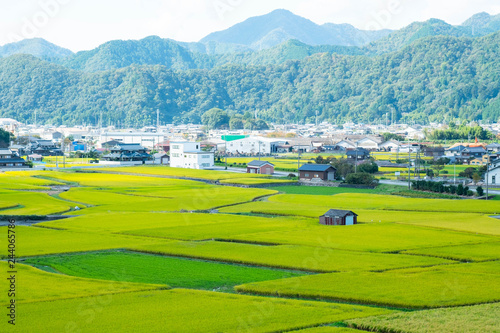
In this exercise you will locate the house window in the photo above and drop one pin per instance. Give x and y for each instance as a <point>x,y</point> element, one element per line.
<point>306,175</point>
<point>494,179</point>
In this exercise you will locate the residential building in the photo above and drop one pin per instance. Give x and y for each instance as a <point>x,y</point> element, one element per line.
<point>369,144</point>
<point>44,148</point>
<point>358,154</point>
<point>188,155</point>
<point>317,172</point>
<point>8,159</point>
<point>390,145</point>
<point>494,173</point>
<point>260,167</point>
<point>124,152</point>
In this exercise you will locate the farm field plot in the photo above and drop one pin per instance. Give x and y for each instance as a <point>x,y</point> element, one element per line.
<point>384,202</point>
<point>468,319</point>
<point>468,222</point>
<point>278,163</point>
<point>256,181</point>
<point>200,197</point>
<point>328,329</point>
<point>181,173</point>
<point>373,237</point>
<point>184,311</point>
<point>119,222</point>
<point>14,180</point>
<point>32,203</point>
<point>176,225</point>
<point>277,208</point>
<point>96,179</point>
<point>318,190</point>
<point>473,252</point>
<point>292,257</point>
<point>448,285</point>
<point>34,285</point>
<point>234,225</point>
<point>144,268</point>
<point>33,241</point>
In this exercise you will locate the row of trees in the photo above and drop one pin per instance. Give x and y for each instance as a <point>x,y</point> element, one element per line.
<point>460,133</point>
<point>216,118</point>
<point>440,187</point>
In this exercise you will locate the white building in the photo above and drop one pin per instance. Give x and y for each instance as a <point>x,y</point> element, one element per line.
<point>188,155</point>
<point>148,140</point>
<point>494,173</point>
<point>252,146</point>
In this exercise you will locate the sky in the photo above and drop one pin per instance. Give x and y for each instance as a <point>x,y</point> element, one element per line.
<point>85,24</point>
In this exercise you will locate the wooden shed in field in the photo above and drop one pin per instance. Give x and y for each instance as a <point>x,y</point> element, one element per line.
<point>339,217</point>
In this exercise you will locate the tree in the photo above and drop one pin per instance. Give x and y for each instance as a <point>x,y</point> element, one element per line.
<point>215,119</point>
<point>476,177</point>
<point>4,138</point>
<point>368,167</point>
<point>480,191</point>
<point>437,168</point>
<point>467,173</point>
<point>344,168</point>
<point>360,178</point>
<point>236,123</point>
<point>391,136</point>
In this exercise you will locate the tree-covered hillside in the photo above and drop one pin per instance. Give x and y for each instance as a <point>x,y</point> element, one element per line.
<point>428,80</point>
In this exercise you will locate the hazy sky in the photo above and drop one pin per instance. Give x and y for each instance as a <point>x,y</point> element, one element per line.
<point>85,24</point>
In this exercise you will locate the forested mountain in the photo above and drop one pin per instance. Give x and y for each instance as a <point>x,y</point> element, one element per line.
<point>279,26</point>
<point>483,24</point>
<point>430,79</point>
<point>37,47</point>
<point>148,51</point>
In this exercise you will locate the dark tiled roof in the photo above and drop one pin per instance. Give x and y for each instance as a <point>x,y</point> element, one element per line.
<point>259,163</point>
<point>316,167</point>
<point>337,212</point>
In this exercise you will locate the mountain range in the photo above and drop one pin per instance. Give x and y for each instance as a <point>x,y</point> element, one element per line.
<point>280,64</point>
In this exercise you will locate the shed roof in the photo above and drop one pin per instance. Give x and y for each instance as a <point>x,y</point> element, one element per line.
<point>316,167</point>
<point>259,164</point>
<point>340,213</point>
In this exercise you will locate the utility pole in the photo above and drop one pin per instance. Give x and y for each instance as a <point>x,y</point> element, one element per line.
<point>487,180</point>
<point>409,166</point>
<point>259,150</point>
<point>356,163</point>
<point>157,120</point>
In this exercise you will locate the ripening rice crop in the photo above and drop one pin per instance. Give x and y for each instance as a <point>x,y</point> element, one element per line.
<point>220,226</point>
<point>467,319</point>
<point>147,199</point>
<point>386,202</point>
<point>34,285</point>
<point>374,237</point>
<point>32,203</point>
<point>473,252</point>
<point>33,241</point>
<point>290,256</point>
<point>180,173</point>
<point>183,311</point>
<point>448,285</point>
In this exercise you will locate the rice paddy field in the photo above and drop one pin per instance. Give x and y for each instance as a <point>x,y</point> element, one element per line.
<point>173,250</point>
